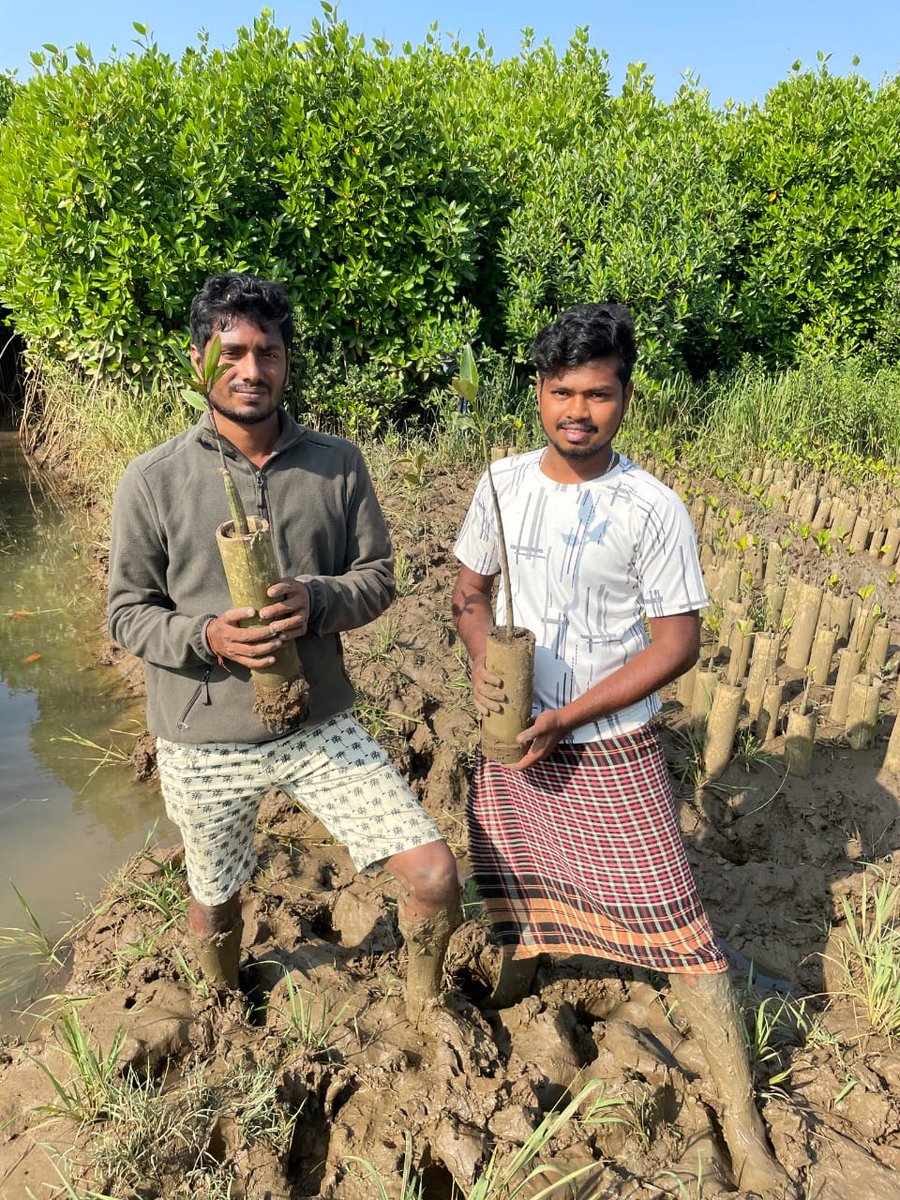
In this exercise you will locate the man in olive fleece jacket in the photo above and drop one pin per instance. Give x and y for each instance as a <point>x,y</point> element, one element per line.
<point>169,605</point>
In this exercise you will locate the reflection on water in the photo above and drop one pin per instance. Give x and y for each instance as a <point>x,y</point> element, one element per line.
<point>66,822</point>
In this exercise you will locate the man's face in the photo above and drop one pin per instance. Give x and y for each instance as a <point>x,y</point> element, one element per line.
<point>582,408</point>
<point>251,389</point>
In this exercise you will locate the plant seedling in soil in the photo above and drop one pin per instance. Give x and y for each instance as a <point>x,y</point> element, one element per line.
<point>199,382</point>
<point>510,651</point>
<point>251,566</point>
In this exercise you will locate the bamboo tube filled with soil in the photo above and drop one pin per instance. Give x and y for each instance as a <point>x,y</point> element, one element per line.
<point>763,662</point>
<point>860,535</point>
<point>705,684</point>
<point>863,627</point>
<point>892,754</point>
<point>803,626</point>
<point>509,650</point>
<point>791,597</point>
<point>740,645</point>
<point>767,721</point>
<point>721,728</point>
<point>512,659</point>
<point>732,612</point>
<point>891,550</point>
<point>822,515</point>
<point>822,654</point>
<point>684,693</point>
<point>774,559</point>
<point>879,645</point>
<point>282,692</point>
<point>862,711</point>
<point>775,596</point>
<point>799,740</point>
<point>849,662</point>
<point>839,617</point>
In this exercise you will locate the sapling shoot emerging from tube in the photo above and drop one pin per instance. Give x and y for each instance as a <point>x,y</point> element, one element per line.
<point>251,567</point>
<point>509,652</point>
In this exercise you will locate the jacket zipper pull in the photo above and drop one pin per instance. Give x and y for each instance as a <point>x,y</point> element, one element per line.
<point>261,505</point>
<point>202,688</point>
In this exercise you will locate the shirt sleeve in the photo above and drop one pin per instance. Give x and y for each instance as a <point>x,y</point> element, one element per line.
<point>477,546</point>
<point>667,564</point>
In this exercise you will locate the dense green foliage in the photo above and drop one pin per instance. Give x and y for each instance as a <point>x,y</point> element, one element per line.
<point>412,200</point>
<point>7,91</point>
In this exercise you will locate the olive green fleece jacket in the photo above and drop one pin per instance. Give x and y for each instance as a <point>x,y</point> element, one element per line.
<point>166,579</point>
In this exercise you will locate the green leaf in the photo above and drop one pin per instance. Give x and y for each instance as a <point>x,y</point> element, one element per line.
<point>468,371</point>
<point>213,351</point>
<point>193,399</point>
<point>465,388</point>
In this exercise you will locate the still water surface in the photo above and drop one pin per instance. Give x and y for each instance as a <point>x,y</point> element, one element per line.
<point>66,823</point>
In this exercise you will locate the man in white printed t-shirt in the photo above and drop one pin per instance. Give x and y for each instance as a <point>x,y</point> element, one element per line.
<point>576,849</point>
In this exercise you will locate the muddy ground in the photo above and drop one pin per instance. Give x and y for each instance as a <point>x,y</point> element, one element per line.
<point>278,1095</point>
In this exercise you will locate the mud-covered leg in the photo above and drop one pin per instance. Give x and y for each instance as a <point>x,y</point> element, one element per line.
<point>428,912</point>
<point>514,980</point>
<point>426,945</point>
<point>215,936</point>
<point>709,1005</point>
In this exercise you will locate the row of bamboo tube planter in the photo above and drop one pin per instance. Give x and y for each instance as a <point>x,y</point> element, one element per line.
<point>838,642</point>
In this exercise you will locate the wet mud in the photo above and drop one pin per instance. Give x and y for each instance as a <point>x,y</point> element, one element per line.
<point>356,1091</point>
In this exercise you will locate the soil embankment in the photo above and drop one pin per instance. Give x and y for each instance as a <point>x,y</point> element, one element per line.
<point>281,1094</point>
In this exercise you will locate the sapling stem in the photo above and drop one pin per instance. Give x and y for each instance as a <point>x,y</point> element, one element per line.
<point>200,382</point>
<point>466,386</point>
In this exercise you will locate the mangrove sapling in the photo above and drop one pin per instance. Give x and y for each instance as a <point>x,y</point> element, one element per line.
<point>509,652</point>
<point>251,567</point>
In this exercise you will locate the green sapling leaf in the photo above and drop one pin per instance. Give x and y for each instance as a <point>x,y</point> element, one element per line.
<point>194,398</point>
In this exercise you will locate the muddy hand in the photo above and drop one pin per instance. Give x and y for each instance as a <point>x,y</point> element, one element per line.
<point>289,618</point>
<point>252,647</point>
<point>540,739</point>
<point>488,690</point>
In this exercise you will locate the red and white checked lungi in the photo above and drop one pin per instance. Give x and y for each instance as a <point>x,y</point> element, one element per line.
<point>582,854</point>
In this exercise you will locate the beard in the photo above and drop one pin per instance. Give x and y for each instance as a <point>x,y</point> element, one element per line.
<point>242,417</point>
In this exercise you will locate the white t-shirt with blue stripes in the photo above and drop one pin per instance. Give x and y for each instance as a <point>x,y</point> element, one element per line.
<point>588,561</point>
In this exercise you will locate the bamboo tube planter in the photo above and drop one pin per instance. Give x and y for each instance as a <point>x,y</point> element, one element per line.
<point>251,567</point>
<point>732,612</point>
<point>849,662</point>
<point>860,535</point>
<point>705,685</point>
<point>763,663</point>
<point>876,543</point>
<point>891,552</point>
<point>721,728</point>
<point>892,754</point>
<point>879,645</point>
<point>775,596</point>
<point>774,560</point>
<point>800,738</point>
<point>767,720</point>
<point>822,654</point>
<point>512,659</point>
<point>862,711</point>
<point>803,627</point>
<point>822,515</point>
<point>740,644</point>
<point>863,627</point>
<point>839,616</point>
<point>791,596</point>
<point>807,502</point>
<point>684,692</point>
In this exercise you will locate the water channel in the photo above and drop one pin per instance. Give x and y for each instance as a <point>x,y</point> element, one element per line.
<point>70,813</point>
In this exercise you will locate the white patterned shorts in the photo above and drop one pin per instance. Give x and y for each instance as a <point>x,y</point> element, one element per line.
<point>335,770</point>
